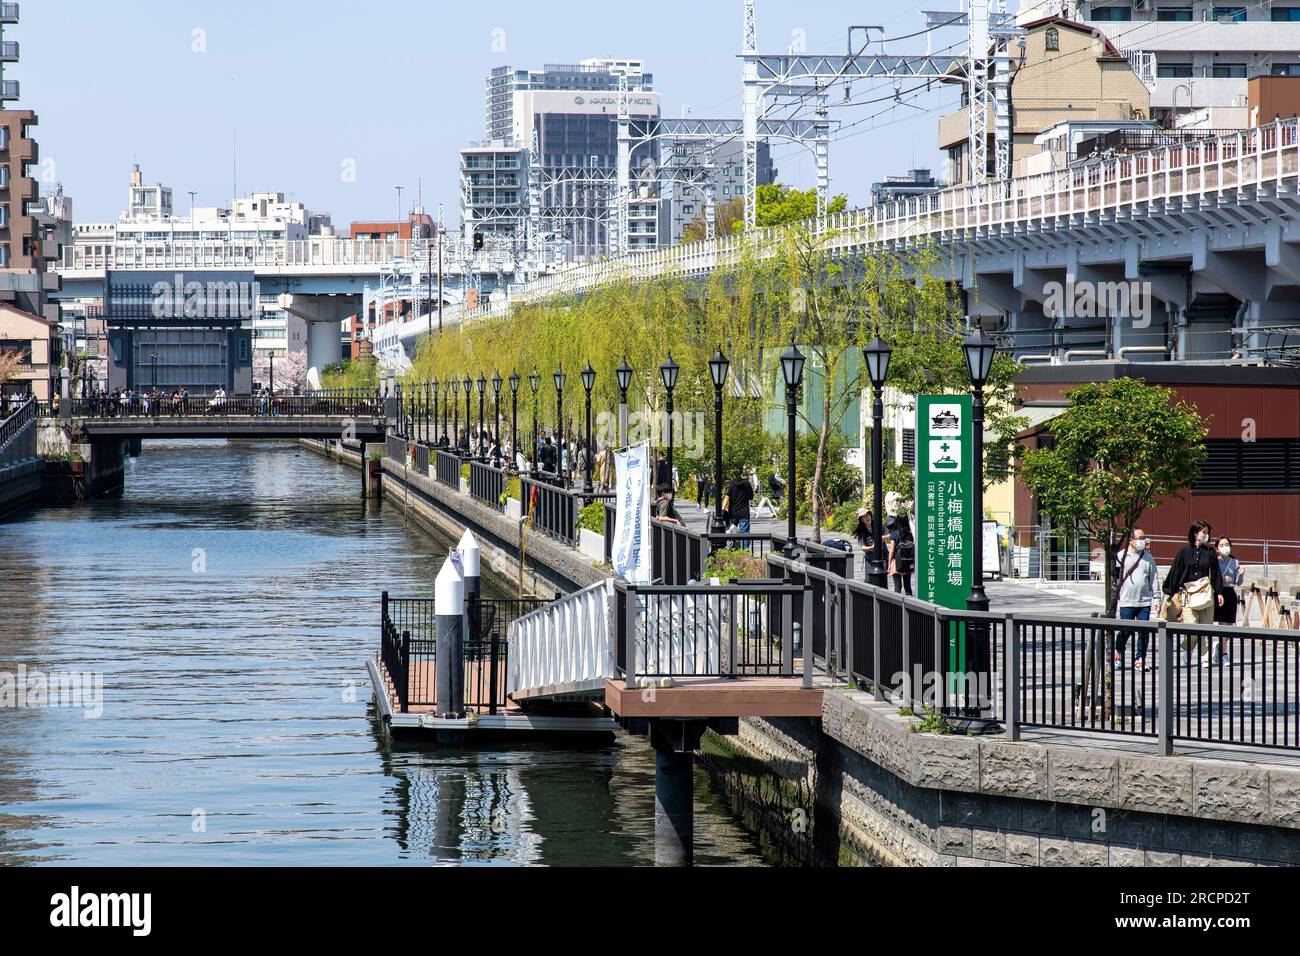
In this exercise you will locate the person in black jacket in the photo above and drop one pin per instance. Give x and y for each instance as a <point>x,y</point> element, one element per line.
<point>1194,564</point>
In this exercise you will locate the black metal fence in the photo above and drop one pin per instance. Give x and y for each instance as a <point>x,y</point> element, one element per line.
<point>487,484</point>
<point>732,630</point>
<point>408,645</point>
<point>447,468</point>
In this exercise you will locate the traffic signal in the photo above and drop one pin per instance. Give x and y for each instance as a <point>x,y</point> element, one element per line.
<point>478,241</point>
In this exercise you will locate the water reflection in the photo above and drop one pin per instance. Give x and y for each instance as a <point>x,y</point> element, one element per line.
<point>228,598</point>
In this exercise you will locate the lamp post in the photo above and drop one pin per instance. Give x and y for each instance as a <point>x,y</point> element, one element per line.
<point>514,418</point>
<point>979,349</point>
<point>426,412</point>
<point>588,380</point>
<point>668,371</point>
<point>153,363</point>
<point>535,382</point>
<point>558,378</point>
<point>434,383</point>
<point>877,356</point>
<point>446,398</point>
<point>624,375</point>
<point>482,387</point>
<point>792,362</point>
<point>496,414</point>
<point>271,372</point>
<point>468,384</point>
<point>718,367</point>
<point>455,414</point>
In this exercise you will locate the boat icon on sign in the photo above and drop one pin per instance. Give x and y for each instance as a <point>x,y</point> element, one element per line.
<point>945,421</point>
<point>945,455</point>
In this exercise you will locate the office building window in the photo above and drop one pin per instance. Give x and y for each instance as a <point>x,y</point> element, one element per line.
<point>1174,14</point>
<point>1286,69</point>
<point>1286,14</point>
<point>1231,14</point>
<point>1053,40</point>
<point>1173,69</point>
<point>1111,14</point>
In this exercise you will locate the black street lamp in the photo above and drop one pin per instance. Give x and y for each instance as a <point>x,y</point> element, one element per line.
<point>877,356</point>
<point>535,381</point>
<point>446,400</point>
<point>153,362</point>
<point>455,415</point>
<point>426,413</point>
<point>668,372</point>
<point>718,368</point>
<point>624,375</point>
<point>434,383</point>
<point>558,378</point>
<point>468,384</point>
<point>514,418</point>
<point>792,362</point>
<point>496,398</point>
<point>979,349</point>
<point>482,387</point>
<point>588,380</point>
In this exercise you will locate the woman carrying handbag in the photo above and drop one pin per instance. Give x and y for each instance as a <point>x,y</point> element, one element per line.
<point>1195,587</point>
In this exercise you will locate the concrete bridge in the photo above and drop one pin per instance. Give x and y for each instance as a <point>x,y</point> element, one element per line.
<point>330,415</point>
<point>1208,230</point>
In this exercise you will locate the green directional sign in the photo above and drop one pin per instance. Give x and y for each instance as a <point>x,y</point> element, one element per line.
<point>947,531</point>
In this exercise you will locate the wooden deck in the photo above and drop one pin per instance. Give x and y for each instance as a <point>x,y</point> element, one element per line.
<point>716,697</point>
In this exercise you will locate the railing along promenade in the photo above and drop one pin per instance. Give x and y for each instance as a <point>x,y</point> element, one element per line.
<point>18,433</point>
<point>1051,672</point>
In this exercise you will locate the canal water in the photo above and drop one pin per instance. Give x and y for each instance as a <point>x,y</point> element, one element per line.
<point>226,603</point>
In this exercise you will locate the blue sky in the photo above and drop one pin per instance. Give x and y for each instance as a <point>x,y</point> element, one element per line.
<point>298,88</point>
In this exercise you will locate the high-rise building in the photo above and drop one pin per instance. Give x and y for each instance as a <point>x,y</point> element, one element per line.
<point>917,182</point>
<point>571,111</point>
<point>688,170</point>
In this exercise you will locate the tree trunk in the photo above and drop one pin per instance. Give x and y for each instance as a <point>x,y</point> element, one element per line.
<point>817,472</point>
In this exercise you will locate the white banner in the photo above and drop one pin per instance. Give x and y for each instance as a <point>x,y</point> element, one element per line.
<point>631,553</point>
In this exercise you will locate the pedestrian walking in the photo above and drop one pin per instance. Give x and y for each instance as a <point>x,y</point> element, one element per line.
<point>1225,610</point>
<point>866,538</point>
<point>902,553</point>
<point>1138,579</point>
<point>1193,585</point>
<point>735,506</point>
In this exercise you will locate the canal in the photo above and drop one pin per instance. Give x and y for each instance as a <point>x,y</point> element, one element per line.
<point>226,604</point>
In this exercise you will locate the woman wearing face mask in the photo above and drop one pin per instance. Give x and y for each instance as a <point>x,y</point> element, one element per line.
<point>1194,581</point>
<point>1233,577</point>
<point>1138,585</point>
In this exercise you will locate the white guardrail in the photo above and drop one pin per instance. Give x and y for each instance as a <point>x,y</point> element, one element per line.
<point>565,647</point>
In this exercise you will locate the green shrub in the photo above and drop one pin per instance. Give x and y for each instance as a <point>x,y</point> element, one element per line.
<point>513,489</point>
<point>592,517</point>
<point>464,471</point>
<point>845,517</point>
<point>728,564</point>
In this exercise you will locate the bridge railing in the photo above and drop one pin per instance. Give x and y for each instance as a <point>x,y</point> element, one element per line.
<point>18,434</point>
<point>1236,160</point>
<point>330,404</point>
<point>739,629</point>
<point>564,647</point>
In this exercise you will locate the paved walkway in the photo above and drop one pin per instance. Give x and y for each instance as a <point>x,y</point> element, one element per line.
<point>1005,595</point>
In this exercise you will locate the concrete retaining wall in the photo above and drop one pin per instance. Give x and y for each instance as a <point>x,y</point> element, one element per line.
<point>897,798</point>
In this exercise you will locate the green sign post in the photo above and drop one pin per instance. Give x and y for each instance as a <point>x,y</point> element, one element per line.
<point>947,531</point>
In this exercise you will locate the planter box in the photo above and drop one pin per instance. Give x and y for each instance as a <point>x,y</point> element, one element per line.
<point>591,544</point>
<point>464,487</point>
<point>513,508</point>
